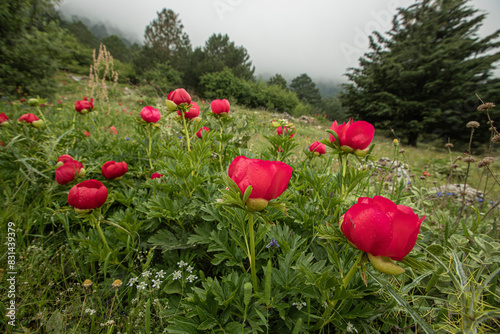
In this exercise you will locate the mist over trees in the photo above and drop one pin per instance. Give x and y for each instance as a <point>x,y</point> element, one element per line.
<point>423,76</point>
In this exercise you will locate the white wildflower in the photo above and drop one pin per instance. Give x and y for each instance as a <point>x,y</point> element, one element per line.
<point>147,273</point>
<point>132,281</point>
<point>160,274</point>
<point>177,275</point>
<point>191,278</point>
<point>90,311</point>
<point>189,269</point>
<point>351,328</point>
<point>142,286</point>
<point>156,283</point>
<point>182,264</point>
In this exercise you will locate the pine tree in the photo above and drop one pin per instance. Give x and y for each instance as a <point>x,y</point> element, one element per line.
<point>306,89</point>
<point>165,37</point>
<point>423,76</point>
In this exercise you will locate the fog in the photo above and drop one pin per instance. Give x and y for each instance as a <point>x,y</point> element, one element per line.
<point>319,37</point>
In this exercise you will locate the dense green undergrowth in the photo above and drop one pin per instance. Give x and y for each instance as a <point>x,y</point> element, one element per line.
<point>181,257</point>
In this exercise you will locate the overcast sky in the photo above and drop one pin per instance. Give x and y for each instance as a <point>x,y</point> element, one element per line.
<point>319,37</point>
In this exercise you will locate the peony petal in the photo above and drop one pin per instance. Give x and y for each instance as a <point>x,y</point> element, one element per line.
<point>358,135</point>
<point>405,232</point>
<point>368,228</point>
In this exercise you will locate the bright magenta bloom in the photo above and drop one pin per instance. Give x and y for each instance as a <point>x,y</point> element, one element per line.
<point>318,147</point>
<point>112,169</point>
<point>269,179</point>
<point>354,137</point>
<point>28,118</point>
<point>87,195</point>
<point>3,118</point>
<point>150,114</point>
<point>179,96</point>
<point>68,171</point>
<point>193,112</point>
<point>279,131</point>
<point>198,134</point>
<point>220,106</point>
<point>84,105</point>
<point>380,227</point>
<point>156,176</point>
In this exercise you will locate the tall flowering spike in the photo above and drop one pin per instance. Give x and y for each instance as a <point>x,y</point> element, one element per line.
<point>150,114</point>
<point>354,137</point>
<point>179,96</point>
<point>318,148</point>
<point>84,106</point>
<point>113,169</point>
<point>88,195</point>
<point>380,227</point>
<point>193,112</point>
<point>220,106</point>
<point>269,179</point>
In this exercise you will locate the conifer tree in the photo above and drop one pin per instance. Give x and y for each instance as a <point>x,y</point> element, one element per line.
<point>424,74</point>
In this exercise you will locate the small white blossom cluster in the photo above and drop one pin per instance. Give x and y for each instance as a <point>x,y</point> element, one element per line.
<point>350,328</point>
<point>299,305</point>
<point>177,275</point>
<point>142,282</point>
<point>89,311</point>
<point>107,323</point>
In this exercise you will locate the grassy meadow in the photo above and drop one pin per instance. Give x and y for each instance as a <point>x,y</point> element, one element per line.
<point>174,252</point>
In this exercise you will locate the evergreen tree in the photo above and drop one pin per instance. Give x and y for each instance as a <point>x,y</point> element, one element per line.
<point>306,89</point>
<point>423,76</point>
<point>165,38</point>
<point>278,80</point>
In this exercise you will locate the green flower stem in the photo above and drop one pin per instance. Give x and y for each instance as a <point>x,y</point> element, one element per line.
<point>344,168</point>
<point>352,271</point>
<point>98,227</point>
<point>186,133</point>
<point>251,256</point>
<point>149,146</point>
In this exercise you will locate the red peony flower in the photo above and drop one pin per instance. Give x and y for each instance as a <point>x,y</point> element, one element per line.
<point>354,137</point>
<point>193,112</point>
<point>112,169</point>
<point>220,106</point>
<point>150,114</point>
<point>84,105</point>
<point>87,195</point>
<point>279,131</point>
<point>380,227</point>
<point>63,159</point>
<point>3,118</point>
<point>156,176</point>
<point>269,179</point>
<point>179,96</point>
<point>68,171</point>
<point>31,119</point>
<point>28,118</point>
<point>198,134</point>
<point>318,148</point>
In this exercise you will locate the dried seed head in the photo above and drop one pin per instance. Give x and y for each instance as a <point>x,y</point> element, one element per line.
<point>448,145</point>
<point>422,178</point>
<point>412,175</point>
<point>87,283</point>
<point>434,182</point>
<point>496,138</point>
<point>472,124</point>
<point>459,158</point>
<point>485,106</point>
<point>116,284</point>
<point>485,162</point>
<point>454,166</point>
<point>470,159</point>
<point>402,151</point>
